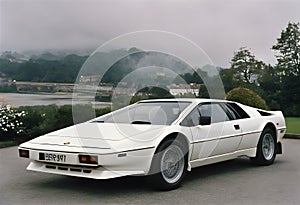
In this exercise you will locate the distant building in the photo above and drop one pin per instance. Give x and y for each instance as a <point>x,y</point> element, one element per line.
<point>45,87</point>
<point>89,79</point>
<point>160,74</point>
<point>181,89</point>
<point>4,79</point>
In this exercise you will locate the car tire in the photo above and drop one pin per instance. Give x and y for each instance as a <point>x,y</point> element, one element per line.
<point>169,165</point>
<point>266,148</point>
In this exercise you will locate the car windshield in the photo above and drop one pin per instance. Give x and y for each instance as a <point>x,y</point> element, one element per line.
<point>156,113</point>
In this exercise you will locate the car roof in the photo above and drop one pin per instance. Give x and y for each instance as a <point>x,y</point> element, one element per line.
<point>195,100</point>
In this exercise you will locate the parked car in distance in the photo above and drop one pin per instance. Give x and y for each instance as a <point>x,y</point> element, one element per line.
<point>161,139</point>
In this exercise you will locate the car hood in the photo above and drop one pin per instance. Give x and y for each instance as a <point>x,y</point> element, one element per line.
<point>99,136</point>
<point>108,131</point>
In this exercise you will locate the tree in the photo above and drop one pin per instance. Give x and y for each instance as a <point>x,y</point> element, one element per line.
<point>227,79</point>
<point>269,83</point>
<point>246,68</point>
<point>247,97</point>
<point>203,93</point>
<point>288,50</point>
<point>151,93</point>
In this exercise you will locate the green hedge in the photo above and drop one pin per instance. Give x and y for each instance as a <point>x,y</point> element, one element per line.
<point>43,119</point>
<point>247,97</point>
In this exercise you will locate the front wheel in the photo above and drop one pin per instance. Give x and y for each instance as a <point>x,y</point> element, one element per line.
<point>266,148</point>
<point>169,166</point>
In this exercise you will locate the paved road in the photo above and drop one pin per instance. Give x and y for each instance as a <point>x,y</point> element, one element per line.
<point>232,182</point>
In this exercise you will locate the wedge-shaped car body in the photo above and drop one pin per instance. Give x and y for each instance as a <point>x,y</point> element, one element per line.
<point>162,139</point>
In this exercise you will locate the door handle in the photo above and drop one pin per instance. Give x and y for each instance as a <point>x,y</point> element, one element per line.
<point>237,127</point>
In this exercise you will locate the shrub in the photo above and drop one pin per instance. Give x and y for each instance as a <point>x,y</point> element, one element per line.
<point>11,122</point>
<point>247,97</point>
<point>46,118</point>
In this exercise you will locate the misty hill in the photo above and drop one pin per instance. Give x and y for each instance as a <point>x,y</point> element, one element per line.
<point>113,65</point>
<point>47,56</point>
<point>8,68</point>
<point>11,55</point>
<point>144,59</point>
<point>40,70</point>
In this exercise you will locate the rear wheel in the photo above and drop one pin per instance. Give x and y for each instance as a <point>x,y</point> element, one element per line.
<point>266,148</point>
<point>169,165</point>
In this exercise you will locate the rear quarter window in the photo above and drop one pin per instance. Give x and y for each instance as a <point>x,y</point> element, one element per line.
<point>239,112</point>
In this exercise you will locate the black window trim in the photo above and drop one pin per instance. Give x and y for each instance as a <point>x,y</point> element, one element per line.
<point>223,106</point>
<point>228,105</point>
<point>244,114</point>
<point>227,108</point>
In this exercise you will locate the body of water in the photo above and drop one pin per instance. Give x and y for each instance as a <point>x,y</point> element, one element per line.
<point>18,99</point>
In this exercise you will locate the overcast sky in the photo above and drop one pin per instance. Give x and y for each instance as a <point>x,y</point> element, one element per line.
<point>220,27</point>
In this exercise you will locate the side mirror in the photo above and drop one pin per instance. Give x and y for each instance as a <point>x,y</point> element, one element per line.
<point>205,120</point>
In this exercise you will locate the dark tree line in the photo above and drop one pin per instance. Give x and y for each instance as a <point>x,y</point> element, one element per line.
<point>64,70</point>
<point>279,85</point>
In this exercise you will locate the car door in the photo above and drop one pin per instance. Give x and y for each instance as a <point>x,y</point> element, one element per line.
<point>220,137</point>
<point>249,126</point>
<point>225,134</point>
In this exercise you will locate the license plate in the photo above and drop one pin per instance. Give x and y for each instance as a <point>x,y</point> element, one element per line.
<point>50,157</point>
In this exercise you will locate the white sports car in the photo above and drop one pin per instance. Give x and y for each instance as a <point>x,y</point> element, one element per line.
<point>160,138</point>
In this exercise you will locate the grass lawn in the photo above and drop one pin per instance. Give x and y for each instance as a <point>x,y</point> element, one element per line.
<point>7,144</point>
<point>293,125</point>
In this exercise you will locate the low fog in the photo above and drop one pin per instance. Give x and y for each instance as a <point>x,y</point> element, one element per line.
<point>218,27</point>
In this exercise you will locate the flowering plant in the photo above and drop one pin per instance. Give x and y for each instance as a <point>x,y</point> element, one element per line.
<point>10,121</point>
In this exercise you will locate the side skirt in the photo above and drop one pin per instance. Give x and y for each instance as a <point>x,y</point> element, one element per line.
<point>214,159</point>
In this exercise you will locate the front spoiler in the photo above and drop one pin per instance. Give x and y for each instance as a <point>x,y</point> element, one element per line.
<point>80,171</point>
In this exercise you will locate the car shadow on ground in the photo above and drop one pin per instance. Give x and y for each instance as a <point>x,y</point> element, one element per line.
<point>135,184</point>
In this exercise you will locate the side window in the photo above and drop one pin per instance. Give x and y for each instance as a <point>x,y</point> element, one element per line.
<point>192,119</point>
<point>232,114</point>
<point>213,110</point>
<point>241,114</point>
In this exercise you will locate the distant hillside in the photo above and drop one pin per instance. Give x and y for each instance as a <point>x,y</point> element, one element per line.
<point>11,55</point>
<point>47,56</point>
<point>41,70</point>
<point>48,67</point>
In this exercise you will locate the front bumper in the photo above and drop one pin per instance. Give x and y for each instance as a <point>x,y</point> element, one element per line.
<point>110,165</point>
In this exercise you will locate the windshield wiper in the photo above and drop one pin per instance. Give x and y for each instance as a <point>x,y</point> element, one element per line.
<point>141,122</point>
